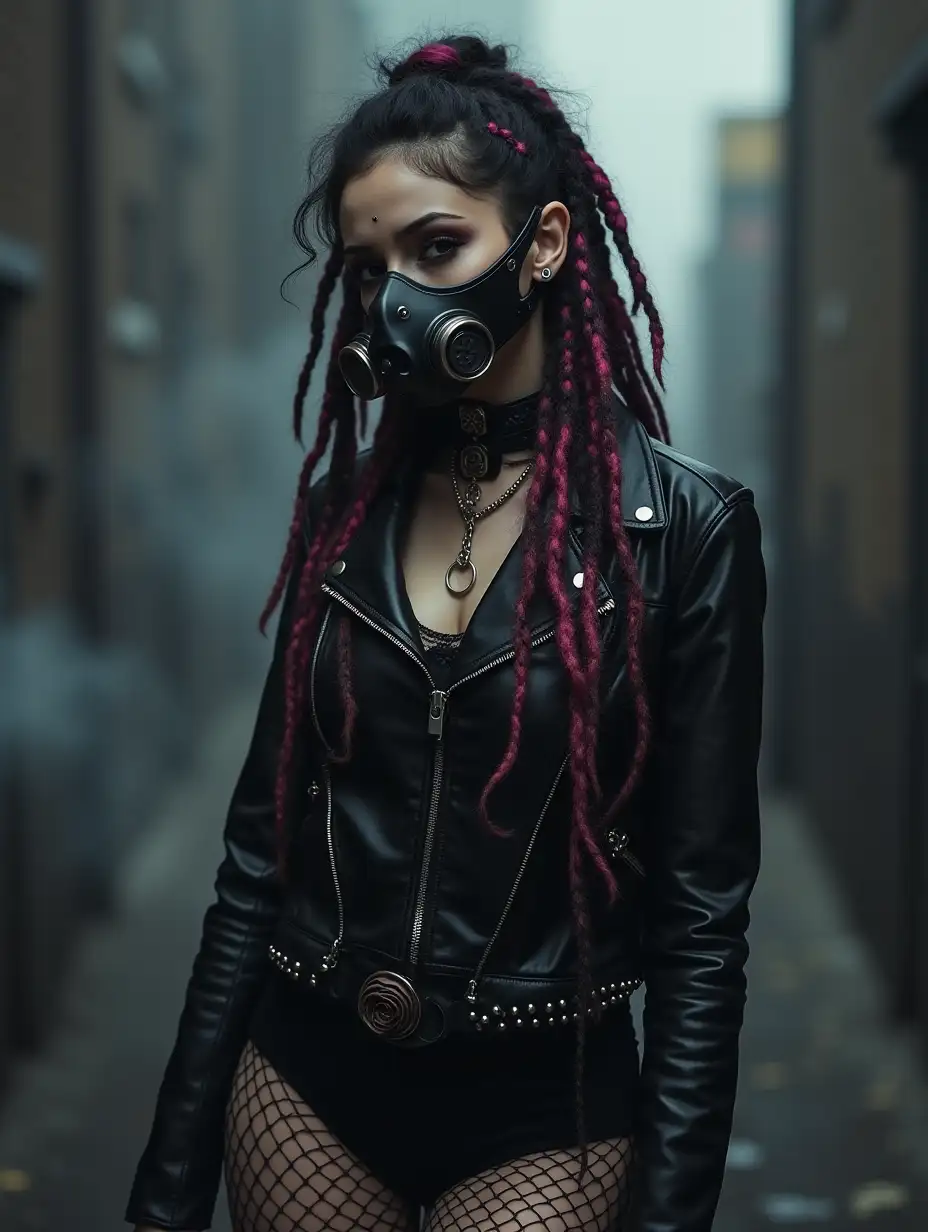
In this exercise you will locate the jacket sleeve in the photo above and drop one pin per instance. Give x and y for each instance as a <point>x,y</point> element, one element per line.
<point>703,853</point>
<point>177,1179</point>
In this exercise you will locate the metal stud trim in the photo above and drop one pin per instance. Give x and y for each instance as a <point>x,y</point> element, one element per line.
<point>516,1017</point>
<point>551,1013</point>
<point>292,966</point>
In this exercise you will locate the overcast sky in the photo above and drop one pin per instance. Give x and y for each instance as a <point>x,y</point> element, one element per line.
<point>657,74</point>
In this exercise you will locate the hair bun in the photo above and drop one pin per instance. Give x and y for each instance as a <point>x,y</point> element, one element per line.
<point>475,53</point>
<point>454,57</point>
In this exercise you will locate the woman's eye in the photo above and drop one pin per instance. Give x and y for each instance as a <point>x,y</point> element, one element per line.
<point>371,271</point>
<point>440,248</point>
<point>432,252</point>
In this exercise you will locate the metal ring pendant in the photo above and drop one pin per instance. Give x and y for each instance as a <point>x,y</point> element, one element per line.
<point>456,567</point>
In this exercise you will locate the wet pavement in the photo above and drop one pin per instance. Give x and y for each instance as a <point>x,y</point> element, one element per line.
<point>831,1126</point>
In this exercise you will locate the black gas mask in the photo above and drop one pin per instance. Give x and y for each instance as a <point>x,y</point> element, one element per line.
<point>431,342</point>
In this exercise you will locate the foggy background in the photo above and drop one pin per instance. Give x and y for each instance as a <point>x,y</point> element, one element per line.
<point>772,158</point>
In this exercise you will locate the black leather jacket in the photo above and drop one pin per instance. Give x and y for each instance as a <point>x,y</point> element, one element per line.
<point>392,872</point>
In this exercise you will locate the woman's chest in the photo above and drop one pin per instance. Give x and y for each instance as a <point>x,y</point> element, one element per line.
<point>450,557</point>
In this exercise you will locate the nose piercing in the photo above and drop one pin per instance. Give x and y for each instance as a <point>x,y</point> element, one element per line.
<point>373,218</point>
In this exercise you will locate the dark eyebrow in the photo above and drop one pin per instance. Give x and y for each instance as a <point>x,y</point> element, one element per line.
<point>416,225</point>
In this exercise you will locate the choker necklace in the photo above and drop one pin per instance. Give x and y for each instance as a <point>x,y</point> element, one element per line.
<point>479,433</point>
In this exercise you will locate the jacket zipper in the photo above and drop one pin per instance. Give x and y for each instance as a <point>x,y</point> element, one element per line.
<point>330,960</point>
<point>438,705</point>
<point>478,974</point>
<point>436,725</point>
<point>312,678</point>
<point>618,846</point>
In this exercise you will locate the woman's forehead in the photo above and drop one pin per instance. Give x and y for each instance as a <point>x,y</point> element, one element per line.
<point>395,194</point>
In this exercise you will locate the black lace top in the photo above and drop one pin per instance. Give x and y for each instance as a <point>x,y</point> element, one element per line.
<point>440,649</point>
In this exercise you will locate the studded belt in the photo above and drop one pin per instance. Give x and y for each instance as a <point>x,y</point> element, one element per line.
<point>394,1009</point>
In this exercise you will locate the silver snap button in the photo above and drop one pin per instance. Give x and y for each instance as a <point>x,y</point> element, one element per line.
<point>578,581</point>
<point>402,312</point>
<point>644,513</point>
<point>338,568</point>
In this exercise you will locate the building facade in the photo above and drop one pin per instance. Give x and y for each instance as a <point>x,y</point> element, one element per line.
<point>738,310</point>
<point>740,285</point>
<point>36,492</point>
<point>851,734</point>
<point>155,153</point>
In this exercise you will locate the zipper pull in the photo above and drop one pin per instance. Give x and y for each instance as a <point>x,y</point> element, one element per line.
<point>437,703</point>
<point>472,992</point>
<point>330,961</point>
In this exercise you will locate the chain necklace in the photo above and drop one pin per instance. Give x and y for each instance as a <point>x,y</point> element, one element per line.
<point>470,514</point>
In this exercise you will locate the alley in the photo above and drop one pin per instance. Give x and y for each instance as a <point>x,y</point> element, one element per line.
<point>831,1127</point>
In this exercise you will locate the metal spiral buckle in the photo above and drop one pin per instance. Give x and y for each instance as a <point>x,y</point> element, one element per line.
<point>389,1005</point>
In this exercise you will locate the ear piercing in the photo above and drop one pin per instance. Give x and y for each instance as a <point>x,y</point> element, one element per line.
<point>546,273</point>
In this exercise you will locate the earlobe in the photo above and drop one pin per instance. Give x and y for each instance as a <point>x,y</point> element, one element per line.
<point>551,241</point>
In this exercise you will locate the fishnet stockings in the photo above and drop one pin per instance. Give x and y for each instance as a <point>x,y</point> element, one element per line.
<point>286,1172</point>
<point>543,1193</point>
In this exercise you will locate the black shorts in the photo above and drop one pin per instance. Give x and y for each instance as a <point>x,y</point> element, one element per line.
<point>424,1119</point>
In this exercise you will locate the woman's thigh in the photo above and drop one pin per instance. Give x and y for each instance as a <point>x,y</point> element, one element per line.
<point>543,1193</point>
<point>286,1172</point>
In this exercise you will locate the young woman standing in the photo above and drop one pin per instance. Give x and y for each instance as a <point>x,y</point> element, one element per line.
<point>504,766</point>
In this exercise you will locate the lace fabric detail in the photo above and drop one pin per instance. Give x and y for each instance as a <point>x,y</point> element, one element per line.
<point>440,648</point>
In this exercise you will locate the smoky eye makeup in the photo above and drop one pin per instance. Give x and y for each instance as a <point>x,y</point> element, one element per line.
<point>436,248</point>
<point>368,264</point>
<point>360,263</point>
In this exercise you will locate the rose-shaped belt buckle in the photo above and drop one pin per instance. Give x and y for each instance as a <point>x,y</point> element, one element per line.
<point>389,1005</point>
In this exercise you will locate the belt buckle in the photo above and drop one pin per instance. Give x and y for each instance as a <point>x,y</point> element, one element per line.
<point>389,1005</point>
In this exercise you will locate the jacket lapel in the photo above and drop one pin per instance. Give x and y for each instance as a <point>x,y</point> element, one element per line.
<point>369,576</point>
<point>643,504</point>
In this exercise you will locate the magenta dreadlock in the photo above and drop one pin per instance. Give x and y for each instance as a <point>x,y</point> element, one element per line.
<point>454,110</point>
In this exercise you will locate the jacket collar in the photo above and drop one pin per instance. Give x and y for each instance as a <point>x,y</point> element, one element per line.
<point>643,504</point>
<point>369,577</point>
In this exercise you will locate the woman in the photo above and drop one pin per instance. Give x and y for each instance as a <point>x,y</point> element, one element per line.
<point>504,767</point>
